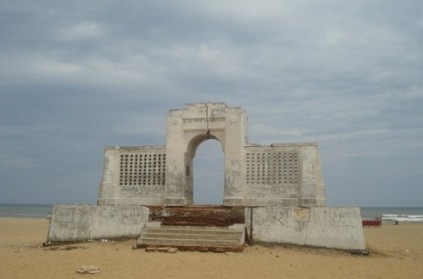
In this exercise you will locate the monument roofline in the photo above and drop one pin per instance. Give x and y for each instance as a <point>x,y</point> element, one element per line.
<point>282,144</point>
<point>134,147</point>
<point>215,104</point>
<point>294,143</point>
<point>211,105</point>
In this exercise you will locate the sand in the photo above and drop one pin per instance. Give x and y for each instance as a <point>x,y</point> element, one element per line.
<point>396,252</point>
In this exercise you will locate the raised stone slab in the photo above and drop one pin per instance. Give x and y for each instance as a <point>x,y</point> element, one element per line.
<point>330,227</point>
<point>72,223</point>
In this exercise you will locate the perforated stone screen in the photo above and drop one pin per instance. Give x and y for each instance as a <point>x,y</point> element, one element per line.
<point>272,168</point>
<point>142,169</point>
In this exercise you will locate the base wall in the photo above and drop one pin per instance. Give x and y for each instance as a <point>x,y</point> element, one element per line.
<point>329,227</point>
<point>84,222</point>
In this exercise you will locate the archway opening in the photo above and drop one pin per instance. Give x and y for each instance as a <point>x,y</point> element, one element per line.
<point>208,173</point>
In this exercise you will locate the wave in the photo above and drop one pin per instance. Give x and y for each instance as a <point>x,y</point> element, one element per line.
<point>402,218</point>
<point>24,215</point>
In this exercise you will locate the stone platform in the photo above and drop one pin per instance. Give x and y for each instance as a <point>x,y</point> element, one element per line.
<point>209,228</point>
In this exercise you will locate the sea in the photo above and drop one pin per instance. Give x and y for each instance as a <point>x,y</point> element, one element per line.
<point>400,214</point>
<point>25,210</point>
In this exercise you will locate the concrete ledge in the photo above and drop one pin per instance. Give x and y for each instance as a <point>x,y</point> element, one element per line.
<point>233,201</point>
<point>272,202</point>
<point>129,201</point>
<point>330,227</point>
<point>71,223</point>
<point>175,201</point>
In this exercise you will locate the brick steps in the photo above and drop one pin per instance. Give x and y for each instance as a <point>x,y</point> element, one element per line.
<point>198,228</point>
<point>219,216</point>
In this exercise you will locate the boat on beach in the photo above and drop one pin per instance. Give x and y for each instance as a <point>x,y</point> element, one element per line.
<point>371,222</point>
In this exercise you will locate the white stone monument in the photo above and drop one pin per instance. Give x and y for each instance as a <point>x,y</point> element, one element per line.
<point>279,185</point>
<point>275,175</point>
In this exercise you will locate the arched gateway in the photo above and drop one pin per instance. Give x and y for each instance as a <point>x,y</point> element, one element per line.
<point>255,175</point>
<point>189,127</point>
<point>272,193</point>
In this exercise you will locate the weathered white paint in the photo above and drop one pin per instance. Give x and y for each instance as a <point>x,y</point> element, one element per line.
<point>255,175</point>
<point>84,222</point>
<point>330,227</point>
<point>187,128</point>
<point>142,189</point>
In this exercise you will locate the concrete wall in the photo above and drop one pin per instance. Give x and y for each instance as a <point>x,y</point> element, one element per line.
<point>285,175</point>
<point>84,222</point>
<point>329,227</point>
<point>133,175</point>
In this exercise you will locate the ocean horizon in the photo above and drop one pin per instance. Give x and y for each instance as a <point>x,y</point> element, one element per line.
<point>44,211</point>
<point>26,210</point>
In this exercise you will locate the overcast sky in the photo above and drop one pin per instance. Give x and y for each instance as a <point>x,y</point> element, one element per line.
<point>79,75</point>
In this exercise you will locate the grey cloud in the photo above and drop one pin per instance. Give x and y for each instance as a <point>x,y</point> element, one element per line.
<point>78,75</point>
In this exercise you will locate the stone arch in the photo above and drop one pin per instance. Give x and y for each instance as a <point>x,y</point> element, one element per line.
<point>199,139</point>
<point>187,129</point>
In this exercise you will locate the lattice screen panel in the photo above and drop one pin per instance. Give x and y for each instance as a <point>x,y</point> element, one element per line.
<point>142,169</point>
<point>272,168</point>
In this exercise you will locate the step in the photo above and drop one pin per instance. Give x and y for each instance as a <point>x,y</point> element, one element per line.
<point>190,236</point>
<point>189,242</point>
<point>192,233</point>
<point>182,230</point>
<point>193,237</point>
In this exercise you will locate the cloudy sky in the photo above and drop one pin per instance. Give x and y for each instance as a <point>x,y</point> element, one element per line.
<point>79,75</point>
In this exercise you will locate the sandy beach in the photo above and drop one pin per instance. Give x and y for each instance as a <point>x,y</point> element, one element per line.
<point>396,251</point>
